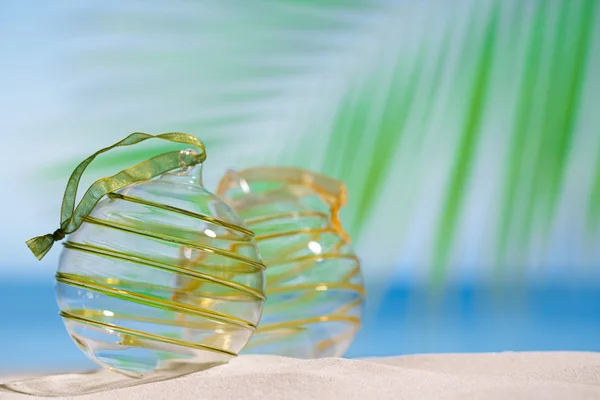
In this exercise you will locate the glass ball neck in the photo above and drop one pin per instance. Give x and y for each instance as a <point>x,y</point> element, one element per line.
<point>191,175</point>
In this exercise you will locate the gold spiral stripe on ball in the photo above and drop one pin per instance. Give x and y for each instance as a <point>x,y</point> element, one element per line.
<point>331,342</point>
<point>314,257</point>
<point>308,262</point>
<point>293,214</point>
<point>144,335</point>
<point>97,315</point>
<point>295,327</point>
<point>161,266</point>
<point>288,252</point>
<point>294,233</point>
<point>354,272</point>
<point>297,323</point>
<point>332,219</point>
<point>138,287</point>
<point>348,307</point>
<point>165,207</point>
<point>177,241</point>
<point>319,287</point>
<point>310,295</point>
<point>289,329</point>
<point>152,302</point>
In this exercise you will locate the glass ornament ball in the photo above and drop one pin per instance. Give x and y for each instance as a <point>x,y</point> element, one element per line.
<point>315,290</point>
<point>161,277</point>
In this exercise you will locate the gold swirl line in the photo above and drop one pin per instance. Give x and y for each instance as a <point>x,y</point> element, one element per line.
<point>294,214</point>
<point>352,273</point>
<point>306,264</point>
<point>307,297</point>
<point>349,306</point>
<point>315,257</point>
<point>355,321</point>
<point>294,232</point>
<point>85,313</point>
<point>136,287</point>
<point>330,342</point>
<point>155,302</point>
<point>295,327</point>
<point>319,287</point>
<point>166,207</point>
<point>328,188</point>
<point>179,242</point>
<point>145,287</point>
<point>314,231</point>
<point>288,252</point>
<point>144,335</point>
<point>165,267</point>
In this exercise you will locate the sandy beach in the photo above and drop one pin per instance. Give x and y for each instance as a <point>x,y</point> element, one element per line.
<point>557,375</point>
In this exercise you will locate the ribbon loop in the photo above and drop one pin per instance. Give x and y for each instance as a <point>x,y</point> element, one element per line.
<point>72,217</point>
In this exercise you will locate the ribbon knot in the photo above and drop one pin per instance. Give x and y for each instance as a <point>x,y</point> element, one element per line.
<point>58,235</point>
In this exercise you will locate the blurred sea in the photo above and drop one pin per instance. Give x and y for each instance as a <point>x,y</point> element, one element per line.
<point>410,319</point>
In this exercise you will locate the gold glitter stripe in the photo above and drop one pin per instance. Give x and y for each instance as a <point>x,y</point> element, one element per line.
<point>166,207</point>
<point>315,257</point>
<point>319,287</point>
<point>295,214</point>
<point>305,321</point>
<point>144,335</point>
<point>154,302</point>
<point>98,315</point>
<point>294,233</point>
<point>179,242</point>
<point>165,267</point>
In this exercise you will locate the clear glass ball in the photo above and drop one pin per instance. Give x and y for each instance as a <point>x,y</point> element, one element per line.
<point>315,290</point>
<point>162,277</point>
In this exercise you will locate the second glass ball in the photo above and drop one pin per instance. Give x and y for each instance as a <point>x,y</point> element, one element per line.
<point>315,290</point>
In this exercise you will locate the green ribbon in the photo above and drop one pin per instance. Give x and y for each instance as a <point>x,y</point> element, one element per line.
<point>71,218</point>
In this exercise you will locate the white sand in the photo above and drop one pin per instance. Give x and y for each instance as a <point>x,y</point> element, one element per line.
<point>564,375</point>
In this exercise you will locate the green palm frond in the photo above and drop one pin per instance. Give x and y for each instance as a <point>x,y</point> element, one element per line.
<point>568,64</point>
<point>594,204</point>
<point>463,164</point>
<point>456,128</point>
<point>523,128</point>
<point>216,70</point>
